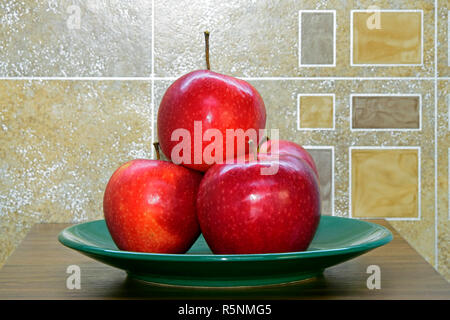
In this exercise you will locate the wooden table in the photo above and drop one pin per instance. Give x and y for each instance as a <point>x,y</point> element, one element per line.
<point>37,270</point>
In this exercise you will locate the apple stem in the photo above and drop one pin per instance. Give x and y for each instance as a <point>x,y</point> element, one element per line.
<point>207,50</point>
<point>156,146</point>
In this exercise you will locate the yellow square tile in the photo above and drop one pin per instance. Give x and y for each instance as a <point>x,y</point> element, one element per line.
<point>385,183</point>
<point>387,37</point>
<point>316,111</point>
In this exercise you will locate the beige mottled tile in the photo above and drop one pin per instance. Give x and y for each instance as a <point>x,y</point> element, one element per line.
<point>60,142</point>
<point>316,111</point>
<point>386,112</point>
<point>443,241</point>
<point>260,38</point>
<point>420,235</point>
<point>247,38</point>
<point>385,183</point>
<point>443,191</point>
<point>75,38</point>
<point>396,38</point>
<point>160,87</point>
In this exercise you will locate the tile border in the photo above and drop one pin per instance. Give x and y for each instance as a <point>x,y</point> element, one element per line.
<point>419,191</point>
<point>300,65</point>
<point>332,170</point>
<point>436,140</point>
<point>386,64</point>
<point>268,78</point>
<point>152,80</point>
<point>385,95</point>
<point>299,95</point>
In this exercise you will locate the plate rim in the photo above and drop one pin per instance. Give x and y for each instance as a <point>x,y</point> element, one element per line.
<point>95,250</point>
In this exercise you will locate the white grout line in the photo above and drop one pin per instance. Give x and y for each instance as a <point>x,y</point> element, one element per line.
<point>152,102</point>
<point>351,38</point>
<point>436,252</point>
<point>166,78</point>
<point>385,95</point>
<point>419,174</point>
<point>152,106</point>
<point>337,78</point>
<point>352,64</point>
<point>79,78</point>
<point>155,78</point>
<point>315,95</point>
<point>153,40</point>
<point>332,170</point>
<point>300,39</point>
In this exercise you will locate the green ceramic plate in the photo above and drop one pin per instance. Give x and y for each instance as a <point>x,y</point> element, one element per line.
<point>337,240</point>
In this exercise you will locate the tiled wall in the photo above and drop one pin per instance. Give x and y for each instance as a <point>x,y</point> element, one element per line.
<point>365,91</point>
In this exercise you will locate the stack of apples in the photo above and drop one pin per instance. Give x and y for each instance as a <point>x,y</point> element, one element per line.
<point>160,206</point>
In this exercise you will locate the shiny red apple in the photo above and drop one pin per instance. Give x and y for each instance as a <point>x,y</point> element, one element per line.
<point>289,147</point>
<point>149,206</point>
<point>242,211</point>
<point>203,100</point>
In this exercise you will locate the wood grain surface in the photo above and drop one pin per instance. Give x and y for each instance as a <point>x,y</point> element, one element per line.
<point>37,270</point>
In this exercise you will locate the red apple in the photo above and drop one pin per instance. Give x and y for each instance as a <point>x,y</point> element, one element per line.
<point>149,206</point>
<point>289,147</point>
<point>241,211</point>
<point>214,101</point>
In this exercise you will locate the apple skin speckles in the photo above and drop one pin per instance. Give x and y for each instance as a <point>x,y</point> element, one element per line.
<point>241,211</point>
<point>149,206</point>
